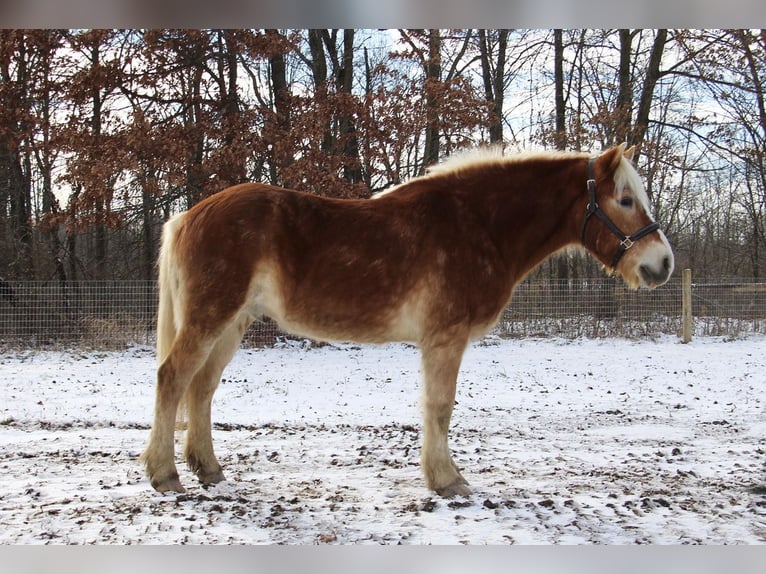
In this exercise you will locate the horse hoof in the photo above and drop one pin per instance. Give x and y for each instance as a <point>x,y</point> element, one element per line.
<point>172,484</point>
<point>211,477</point>
<point>457,488</point>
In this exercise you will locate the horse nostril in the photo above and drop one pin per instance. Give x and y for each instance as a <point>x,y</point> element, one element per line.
<point>645,273</point>
<point>652,276</point>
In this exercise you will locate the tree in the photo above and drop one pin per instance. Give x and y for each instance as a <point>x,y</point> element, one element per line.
<point>560,137</point>
<point>451,105</point>
<point>16,126</point>
<point>337,106</point>
<point>494,77</point>
<point>106,133</point>
<point>753,146</point>
<point>653,74</point>
<point>352,171</point>
<point>432,87</point>
<point>726,69</point>
<point>91,140</point>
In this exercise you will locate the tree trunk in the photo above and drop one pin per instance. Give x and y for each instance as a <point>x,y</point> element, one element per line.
<point>17,179</point>
<point>432,88</point>
<point>147,235</point>
<point>194,174</point>
<point>280,155</point>
<point>494,82</point>
<point>367,170</point>
<point>318,63</point>
<point>44,164</point>
<point>755,201</point>
<point>100,239</point>
<point>352,170</point>
<point>560,137</point>
<point>624,104</point>
<point>647,92</point>
<point>235,164</point>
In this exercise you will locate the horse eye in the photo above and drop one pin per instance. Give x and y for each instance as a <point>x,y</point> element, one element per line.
<point>626,202</point>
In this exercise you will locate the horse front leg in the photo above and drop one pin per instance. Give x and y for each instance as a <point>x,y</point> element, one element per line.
<point>440,368</point>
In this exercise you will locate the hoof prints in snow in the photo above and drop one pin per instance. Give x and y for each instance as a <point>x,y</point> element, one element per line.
<point>322,447</point>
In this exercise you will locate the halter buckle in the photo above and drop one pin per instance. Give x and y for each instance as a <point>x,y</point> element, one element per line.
<point>626,243</point>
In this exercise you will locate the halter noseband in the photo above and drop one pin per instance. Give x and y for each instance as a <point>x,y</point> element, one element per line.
<point>626,241</point>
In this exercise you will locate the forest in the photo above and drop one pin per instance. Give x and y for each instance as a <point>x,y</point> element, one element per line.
<point>105,133</point>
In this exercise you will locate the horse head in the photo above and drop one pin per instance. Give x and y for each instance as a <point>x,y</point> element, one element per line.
<point>618,228</point>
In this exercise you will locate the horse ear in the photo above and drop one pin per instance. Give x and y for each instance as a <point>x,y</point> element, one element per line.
<point>610,159</point>
<point>629,153</point>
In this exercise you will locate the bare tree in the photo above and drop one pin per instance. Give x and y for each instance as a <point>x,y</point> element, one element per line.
<point>15,160</point>
<point>560,137</point>
<point>432,84</point>
<point>493,47</point>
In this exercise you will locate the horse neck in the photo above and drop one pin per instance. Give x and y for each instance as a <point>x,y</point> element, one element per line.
<point>535,209</point>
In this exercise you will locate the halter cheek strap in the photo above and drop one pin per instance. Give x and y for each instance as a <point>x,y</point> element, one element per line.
<point>626,241</point>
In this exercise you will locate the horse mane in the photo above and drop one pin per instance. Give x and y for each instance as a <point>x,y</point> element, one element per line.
<point>468,160</point>
<point>492,155</point>
<point>480,158</point>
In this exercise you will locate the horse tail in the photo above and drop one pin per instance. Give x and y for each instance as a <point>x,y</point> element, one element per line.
<point>169,307</point>
<point>168,291</point>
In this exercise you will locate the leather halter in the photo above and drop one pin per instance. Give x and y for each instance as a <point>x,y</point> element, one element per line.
<point>626,241</point>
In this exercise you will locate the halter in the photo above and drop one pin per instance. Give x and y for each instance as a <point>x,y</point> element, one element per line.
<point>626,241</point>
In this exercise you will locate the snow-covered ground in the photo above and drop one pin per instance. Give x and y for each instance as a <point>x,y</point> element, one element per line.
<point>591,441</point>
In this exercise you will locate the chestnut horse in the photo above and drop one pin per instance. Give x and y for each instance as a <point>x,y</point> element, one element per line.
<point>433,261</point>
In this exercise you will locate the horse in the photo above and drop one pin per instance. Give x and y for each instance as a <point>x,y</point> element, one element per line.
<point>432,261</point>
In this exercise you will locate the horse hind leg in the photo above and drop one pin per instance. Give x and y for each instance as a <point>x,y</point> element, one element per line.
<point>198,451</point>
<point>440,368</point>
<point>188,353</point>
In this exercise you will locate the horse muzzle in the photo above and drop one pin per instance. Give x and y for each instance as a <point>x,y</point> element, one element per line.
<point>655,263</point>
<point>653,277</point>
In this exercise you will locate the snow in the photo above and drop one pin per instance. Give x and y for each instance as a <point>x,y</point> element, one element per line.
<point>611,441</point>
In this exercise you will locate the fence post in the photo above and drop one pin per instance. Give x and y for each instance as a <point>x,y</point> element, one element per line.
<point>686,306</point>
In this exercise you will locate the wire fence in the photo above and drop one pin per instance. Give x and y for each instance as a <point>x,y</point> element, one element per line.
<point>114,314</point>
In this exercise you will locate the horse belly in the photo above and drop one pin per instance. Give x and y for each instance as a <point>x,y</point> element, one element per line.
<point>324,318</point>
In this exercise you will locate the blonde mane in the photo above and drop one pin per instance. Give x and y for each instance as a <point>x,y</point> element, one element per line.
<point>466,161</point>
<point>491,155</point>
<point>477,158</point>
<point>469,159</point>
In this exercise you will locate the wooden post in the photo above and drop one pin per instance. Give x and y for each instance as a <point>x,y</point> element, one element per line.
<point>686,306</point>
